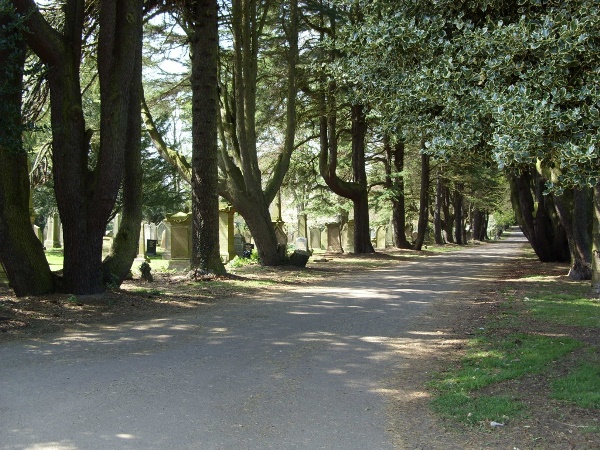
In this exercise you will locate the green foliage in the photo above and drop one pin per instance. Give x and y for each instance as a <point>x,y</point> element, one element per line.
<point>242,262</point>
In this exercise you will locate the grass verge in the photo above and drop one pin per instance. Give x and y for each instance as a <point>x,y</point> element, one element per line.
<point>542,336</point>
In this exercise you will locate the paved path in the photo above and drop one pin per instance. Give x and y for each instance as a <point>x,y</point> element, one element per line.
<point>300,370</point>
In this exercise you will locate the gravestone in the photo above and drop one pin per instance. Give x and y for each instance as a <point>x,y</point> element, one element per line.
<point>389,235</point>
<point>141,245</point>
<point>315,238</point>
<point>302,244</point>
<point>181,239</point>
<point>106,245</point>
<point>334,243</point>
<point>380,237</point>
<point>160,233</point>
<point>165,243</point>
<point>323,238</point>
<point>280,232</point>
<point>348,237</point>
<point>238,244</point>
<point>226,234</point>
<point>38,233</point>
<point>302,228</point>
<point>53,232</point>
<point>116,224</point>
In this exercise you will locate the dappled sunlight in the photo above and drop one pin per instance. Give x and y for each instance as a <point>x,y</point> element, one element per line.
<point>62,445</point>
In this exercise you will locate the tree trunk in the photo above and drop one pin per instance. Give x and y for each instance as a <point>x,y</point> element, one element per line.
<point>117,265</point>
<point>423,203</point>
<point>437,212</point>
<point>458,214</point>
<point>537,217</point>
<point>479,225</point>
<point>447,223</point>
<point>360,199</point>
<point>204,48</point>
<point>86,188</point>
<point>395,183</point>
<point>574,209</point>
<point>596,242</point>
<point>21,253</point>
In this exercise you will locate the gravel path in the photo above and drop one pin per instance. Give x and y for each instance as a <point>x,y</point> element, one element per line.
<point>302,369</point>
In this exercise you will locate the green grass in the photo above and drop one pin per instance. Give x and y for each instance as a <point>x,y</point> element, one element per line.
<point>581,386</point>
<point>55,259</point>
<point>473,410</point>
<point>490,360</point>
<point>566,309</point>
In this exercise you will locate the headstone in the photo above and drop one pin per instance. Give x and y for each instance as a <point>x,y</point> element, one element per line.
<point>226,234</point>
<point>142,244</point>
<point>116,224</point>
<point>302,228</point>
<point>181,236</point>
<point>302,244</point>
<point>153,233</point>
<point>160,233</point>
<point>38,232</point>
<point>389,235</point>
<point>299,258</point>
<point>53,232</point>
<point>166,240</point>
<point>147,232</point>
<point>348,237</point>
<point>315,238</point>
<point>324,237</point>
<point>106,245</point>
<point>280,233</point>
<point>238,244</point>
<point>334,243</point>
<point>380,237</point>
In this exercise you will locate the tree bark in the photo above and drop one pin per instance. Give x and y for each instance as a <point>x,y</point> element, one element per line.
<point>204,49</point>
<point>437,212</point>
<point>479,224</point>
<point>117,265</point>
<point>423,203</point>
<point>536,215</point>
<point>447,223</point>
<point>458,214</point>
<point>395,182</point>
<point>21,253</point>
<point>596,241</point>
<point>86,190</point>
<point>574,209</point>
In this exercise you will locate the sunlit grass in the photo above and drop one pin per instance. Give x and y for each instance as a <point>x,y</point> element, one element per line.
<point>490,360</point>
<point>55,259</point>
<point>581,386</point>
<point>473,410</point>
<point>567,309</point>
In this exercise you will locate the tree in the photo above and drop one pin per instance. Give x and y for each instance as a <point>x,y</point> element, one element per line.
<point>241,175</point>
<point>21,253</point>
<point>202,18</point>
<point>86,183</point>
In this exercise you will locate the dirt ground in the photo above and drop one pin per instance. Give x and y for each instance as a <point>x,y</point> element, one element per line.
<point>548,425</point>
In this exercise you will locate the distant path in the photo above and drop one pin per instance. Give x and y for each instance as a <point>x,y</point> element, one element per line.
<point>303,369</point>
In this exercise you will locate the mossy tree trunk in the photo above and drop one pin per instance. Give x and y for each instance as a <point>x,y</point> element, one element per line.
<point>21,253</point>
<point>423,221</point>
<point>536,215</point>
<point>86,188</point>
<point>202,17</point>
